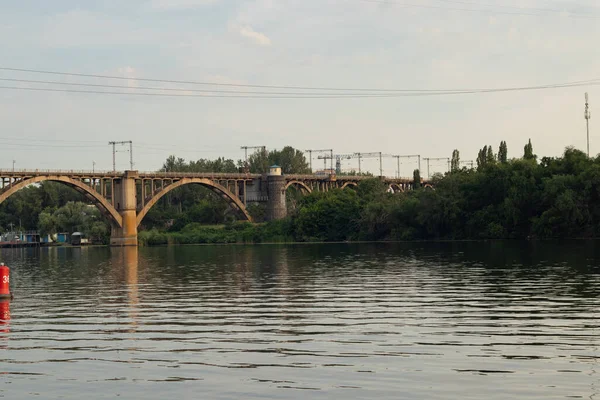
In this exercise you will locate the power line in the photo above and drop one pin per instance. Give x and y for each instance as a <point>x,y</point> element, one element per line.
<point>7,140</point>
<point>309,96</point>
<point>467,90</point>
<point>411,92</point>
<point>176,81</point>
<point>28,139</point>
<point>156,148</point>
<point>46,145</point>
<point>196,95</point>
<point>168,88</point>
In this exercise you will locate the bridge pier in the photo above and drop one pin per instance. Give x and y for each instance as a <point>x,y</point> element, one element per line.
<point>124,200</point>
<point>276,206</point>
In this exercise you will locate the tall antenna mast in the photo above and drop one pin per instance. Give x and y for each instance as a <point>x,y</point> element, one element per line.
<point>587,115</point>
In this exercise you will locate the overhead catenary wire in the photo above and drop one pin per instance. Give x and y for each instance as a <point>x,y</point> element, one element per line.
<point>169,89</point>
<point>40,89</point>
<point>294,96</point>
<point>407,92</point>
<point>148,148</point>
<point>376,91</point>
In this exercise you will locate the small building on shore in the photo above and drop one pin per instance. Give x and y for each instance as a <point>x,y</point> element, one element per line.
<point>79,239</point>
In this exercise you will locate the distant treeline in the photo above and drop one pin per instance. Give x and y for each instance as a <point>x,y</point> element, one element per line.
<point>501,198</point>
<point>516,198</point>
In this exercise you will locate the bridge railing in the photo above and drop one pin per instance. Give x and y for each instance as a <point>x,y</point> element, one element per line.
<point>209,175</point>
<point>37,171</point>
<point>217,175</point>
<point>97,173</point>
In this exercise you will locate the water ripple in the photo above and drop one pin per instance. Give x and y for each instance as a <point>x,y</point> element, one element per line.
<point>339,321</point>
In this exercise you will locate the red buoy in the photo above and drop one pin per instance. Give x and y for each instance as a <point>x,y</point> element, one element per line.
<point>4,282</point>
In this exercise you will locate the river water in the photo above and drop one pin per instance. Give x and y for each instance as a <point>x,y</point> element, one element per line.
<point>480,320</point>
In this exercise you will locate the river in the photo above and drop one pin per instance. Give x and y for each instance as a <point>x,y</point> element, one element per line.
<point>472,320</point>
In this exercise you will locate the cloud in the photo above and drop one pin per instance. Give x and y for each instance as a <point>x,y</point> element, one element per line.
<point>257,37</point>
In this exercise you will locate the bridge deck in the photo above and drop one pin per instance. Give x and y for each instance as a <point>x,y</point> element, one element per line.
<point>177,175</point>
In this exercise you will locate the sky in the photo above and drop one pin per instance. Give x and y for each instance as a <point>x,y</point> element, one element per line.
<point>347,44</point>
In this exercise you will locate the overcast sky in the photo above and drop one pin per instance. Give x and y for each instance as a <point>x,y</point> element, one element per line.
<point>399,44</point>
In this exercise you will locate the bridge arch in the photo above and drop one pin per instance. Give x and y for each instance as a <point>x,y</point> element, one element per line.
<point>346,184</point>
<point>215,187</point>
<point>99,201</point>
<point>428,186</point>
<point>299,183</point>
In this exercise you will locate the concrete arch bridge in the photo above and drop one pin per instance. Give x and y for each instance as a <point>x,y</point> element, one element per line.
<point>125,197</point>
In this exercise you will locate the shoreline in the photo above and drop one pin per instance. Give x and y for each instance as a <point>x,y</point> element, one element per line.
<point>369,242</point>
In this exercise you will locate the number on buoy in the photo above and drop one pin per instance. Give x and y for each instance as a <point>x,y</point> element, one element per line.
<point>4,282</point>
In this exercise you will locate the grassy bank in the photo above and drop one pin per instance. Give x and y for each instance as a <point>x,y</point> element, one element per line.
<point>240,232</point>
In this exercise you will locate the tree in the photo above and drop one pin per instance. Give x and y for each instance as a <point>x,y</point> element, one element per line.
<point>329,216</point>
<point>416,179</point>
<point>482,158</point>
<point>221,164</point>
<point>258,162</point>
<point>291,161</point>
<point>75,217</point>
<point>528,152</point>
<point>173,164</point>
<point>490,158</point>
<point>455,163</point>
<point>47,223</point>
<point>503,153</point>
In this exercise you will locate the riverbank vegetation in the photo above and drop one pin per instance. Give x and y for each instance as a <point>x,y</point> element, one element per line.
<point>502,198</point>
<point>499,198</point>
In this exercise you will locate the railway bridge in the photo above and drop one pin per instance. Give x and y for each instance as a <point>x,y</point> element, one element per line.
<point>125,197</point>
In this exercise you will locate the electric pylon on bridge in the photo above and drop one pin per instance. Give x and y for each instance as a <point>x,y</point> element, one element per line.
<point>330,151</point>
<point>447,159</point>
<point>360,156</point>
<point>339,157</point>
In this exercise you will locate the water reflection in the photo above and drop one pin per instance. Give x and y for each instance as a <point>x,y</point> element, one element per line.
<point>124,260</point>
<point>4,322</point>
<point>421,320</point>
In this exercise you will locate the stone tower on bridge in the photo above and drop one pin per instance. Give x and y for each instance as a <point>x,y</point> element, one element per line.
<point>276,207</point>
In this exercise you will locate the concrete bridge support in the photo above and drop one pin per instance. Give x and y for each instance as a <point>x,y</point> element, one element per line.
<point>276,207</point>
<point>124,200</point>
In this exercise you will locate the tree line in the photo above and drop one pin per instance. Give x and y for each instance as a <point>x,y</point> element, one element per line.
<point>291,161</point>
<point>501,197</point>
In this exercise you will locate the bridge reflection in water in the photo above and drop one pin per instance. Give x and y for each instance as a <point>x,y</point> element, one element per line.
<point>126,260</point>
